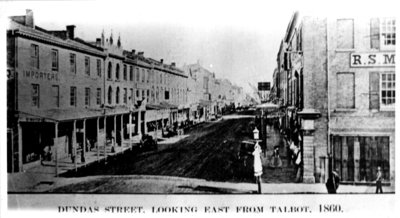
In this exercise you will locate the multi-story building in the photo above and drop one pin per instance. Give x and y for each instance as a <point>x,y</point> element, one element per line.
<point>340,81</point>
<point>70,94</point>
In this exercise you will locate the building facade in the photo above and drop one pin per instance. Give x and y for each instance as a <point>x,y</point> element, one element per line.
<point>340,82</point>
<point>74,96</point>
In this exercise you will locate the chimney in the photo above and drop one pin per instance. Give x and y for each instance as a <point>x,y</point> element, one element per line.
<point>141,53</point>
<point>173,64</point>
<point>71,31</point>
<point>98,41</point>
<point>133,51</point>
<point>29,18</point>
<point>162,60</point>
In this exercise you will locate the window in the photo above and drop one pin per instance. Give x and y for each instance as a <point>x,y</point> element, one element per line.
<point>345,90</point>
<point>143,94</point>
<point>98,96</point>
<point>357,157</point>
<point>99,67</point>
<point>117,72</point>
<point>56,95</point>
<point>54,60</point>
<point>87,65</point>
<point>161,78</point>
<point>388,33</point>
<point>125,72</point>
<point>388,90</point>
<point>383,33</point>
<point>137,75</point>
<point>73,96</point>
<point>125,95</point>
<point>148,94</point>
<point>72,63</point>
<point>35,95</point>
<point>143,76</point>
<point>87,96</point>
<point>109,71</point>
<point>132,96</point>
<point>117,96</point>
<point>109,95</point>
<point>148,76</point>
<point>345,33</point>
<point>35,56</point>
<point>166,95</point>
<point>137,93</point>
<point>131,73</point>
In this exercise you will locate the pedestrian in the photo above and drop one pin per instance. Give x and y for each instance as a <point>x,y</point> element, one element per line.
<point>333,182</point>
<point>257,165</point>
<point>379,181</point>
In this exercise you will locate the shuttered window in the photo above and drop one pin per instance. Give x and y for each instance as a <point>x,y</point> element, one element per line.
<point>345,93</point>
<point>374,90</point>
<point>375,42</point>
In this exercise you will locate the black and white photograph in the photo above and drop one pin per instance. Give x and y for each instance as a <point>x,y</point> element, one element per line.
<point>222,107</point>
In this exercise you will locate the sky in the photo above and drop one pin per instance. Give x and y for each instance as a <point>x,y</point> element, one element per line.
<point>237,40</point>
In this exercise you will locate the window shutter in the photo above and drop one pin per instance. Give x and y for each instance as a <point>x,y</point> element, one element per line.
<point>374,90</point>
<point>375,33</point>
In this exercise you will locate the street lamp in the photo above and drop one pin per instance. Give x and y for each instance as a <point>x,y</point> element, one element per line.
<point>256,133</point>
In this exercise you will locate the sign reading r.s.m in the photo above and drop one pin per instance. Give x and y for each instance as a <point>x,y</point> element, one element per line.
<point>376,59</point>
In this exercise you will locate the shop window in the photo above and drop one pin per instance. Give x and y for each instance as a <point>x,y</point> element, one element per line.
<point>35,56</point>
<point>54,60</point>
<point>345,33</point>
<point>73,96</point>
<point>72,63</point>
<point>369,152</point>
<point>87,65</point>
<point>345,91</point>
<point>87,96</point>
<point>35,95</point>
<point>98,96</point>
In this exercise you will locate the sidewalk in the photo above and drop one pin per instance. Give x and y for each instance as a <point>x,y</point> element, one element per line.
<point>149,184</point>
<point>39,176</point>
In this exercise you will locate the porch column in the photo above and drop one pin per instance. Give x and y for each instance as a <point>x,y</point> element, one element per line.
<point>20,163</point>
<point>84,142</point>
<point>105,139</point>
<point>139,123</point>
<point>144,123</point>
<point>98,138</point>
<point>56,146</point>
<point>130,130</point>
<point>356,159</point>
<point>122,129</point>
<point>74,144</point>
<point>345,153</point>
<point>114,135</point>
<point>308,116</point>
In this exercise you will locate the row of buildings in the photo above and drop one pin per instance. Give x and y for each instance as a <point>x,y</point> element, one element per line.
<point>63,91</point>
<point>335,85</point>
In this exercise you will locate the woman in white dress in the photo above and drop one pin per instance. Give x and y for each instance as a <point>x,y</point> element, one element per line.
<point>257,165</point>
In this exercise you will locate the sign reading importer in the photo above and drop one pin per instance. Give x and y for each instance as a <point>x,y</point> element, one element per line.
<point>372,59</point>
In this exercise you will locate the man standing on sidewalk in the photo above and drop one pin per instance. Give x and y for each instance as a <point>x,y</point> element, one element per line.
<point>379,181</point>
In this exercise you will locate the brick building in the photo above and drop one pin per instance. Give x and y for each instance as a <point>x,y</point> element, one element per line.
<point>73,95</point>
<point>339,74</point>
